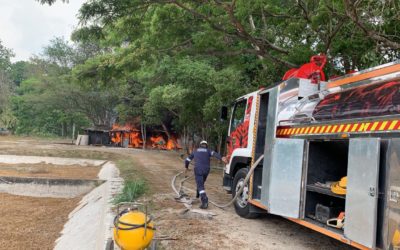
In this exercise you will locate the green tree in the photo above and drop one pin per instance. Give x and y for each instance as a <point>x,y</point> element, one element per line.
<point>6,118</point>
<point>18,72</point>
<point>49,100</point>
<point>59,52</point>
<point>175,62</point>
<point>276,32</point>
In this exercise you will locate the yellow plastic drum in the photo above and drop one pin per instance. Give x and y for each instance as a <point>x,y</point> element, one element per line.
<point>131,233</point>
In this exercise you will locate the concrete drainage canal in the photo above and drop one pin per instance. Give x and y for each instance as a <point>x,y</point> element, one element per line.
<point>45,204</point>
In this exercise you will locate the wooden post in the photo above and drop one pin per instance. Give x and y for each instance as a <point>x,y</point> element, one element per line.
<point>73,132</point>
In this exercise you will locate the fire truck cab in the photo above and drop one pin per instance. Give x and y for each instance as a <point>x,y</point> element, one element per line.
<point>331,155</point>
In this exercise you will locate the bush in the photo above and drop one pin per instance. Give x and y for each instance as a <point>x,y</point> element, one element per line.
<point>132,190</point>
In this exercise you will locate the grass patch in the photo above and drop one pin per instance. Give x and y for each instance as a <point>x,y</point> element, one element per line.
<point>132,190</point>
<point>128,169</point>
<point>135,184</point>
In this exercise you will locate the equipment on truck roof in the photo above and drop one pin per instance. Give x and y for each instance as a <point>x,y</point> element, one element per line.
<point>312,70</point>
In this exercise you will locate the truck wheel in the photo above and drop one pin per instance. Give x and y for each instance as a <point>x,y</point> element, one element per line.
<point>242,206</point>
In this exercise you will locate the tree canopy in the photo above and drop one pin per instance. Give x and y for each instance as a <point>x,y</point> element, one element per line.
<point>175,62</point>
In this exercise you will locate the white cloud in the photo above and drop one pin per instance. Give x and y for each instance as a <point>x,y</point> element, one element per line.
<point>27,26</point>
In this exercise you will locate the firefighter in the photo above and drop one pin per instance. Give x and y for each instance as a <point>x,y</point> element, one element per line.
<point>202,157</point>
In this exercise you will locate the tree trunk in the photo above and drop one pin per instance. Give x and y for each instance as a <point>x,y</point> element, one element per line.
<point>166,130</point>
<point>347,64</point>
<point>187,139</point>
<point>143,131</point>
<point>193,142</point>
<point>184,138</point>
<point>219,143</point>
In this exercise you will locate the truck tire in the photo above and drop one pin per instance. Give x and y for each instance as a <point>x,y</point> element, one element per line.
<point>242,206</point>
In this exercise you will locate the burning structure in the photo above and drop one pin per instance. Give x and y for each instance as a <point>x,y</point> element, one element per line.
<point>130,136</point>
<point>126,136</point>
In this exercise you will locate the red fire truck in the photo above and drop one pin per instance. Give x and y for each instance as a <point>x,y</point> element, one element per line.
<point>331,153</point>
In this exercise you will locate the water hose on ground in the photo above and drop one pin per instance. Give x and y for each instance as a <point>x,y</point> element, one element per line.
<point>239,192</point>
<point>178,192</point>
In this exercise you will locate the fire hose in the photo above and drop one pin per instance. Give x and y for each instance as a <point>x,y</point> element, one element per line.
<point>222,206</point>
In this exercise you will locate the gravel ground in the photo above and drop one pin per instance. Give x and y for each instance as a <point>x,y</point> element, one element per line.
<point>49,171</point>
<point>32,223</point>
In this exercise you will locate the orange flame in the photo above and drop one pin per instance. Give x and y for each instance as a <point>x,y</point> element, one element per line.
<point>158,142</point>
<point>135,140</point>
<point>172,144</point>
<point>126,132</point>
<point>116,138</point>
<point>131,133</point>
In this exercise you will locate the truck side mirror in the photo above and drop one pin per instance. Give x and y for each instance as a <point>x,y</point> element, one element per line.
<point>224,113</point>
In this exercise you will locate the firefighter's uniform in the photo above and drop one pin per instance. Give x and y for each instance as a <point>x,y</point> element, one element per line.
<point>201,158</point>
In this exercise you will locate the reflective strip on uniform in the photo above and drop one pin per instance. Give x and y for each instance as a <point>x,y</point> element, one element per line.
<point>202,192</point>
<point>188,159</point>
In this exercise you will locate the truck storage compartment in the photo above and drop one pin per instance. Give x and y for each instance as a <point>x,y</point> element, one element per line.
<point>327,164</point>
<point>321,207</point>
<point>260,145</point>
<point>257,179</point>
<point>327,161</point>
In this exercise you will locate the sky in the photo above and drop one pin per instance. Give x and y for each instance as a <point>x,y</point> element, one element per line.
<point>26,26</point>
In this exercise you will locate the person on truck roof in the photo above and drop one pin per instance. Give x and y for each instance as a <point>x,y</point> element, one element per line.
<point>201,158</point>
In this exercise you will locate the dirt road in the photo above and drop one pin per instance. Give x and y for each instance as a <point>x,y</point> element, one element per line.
<point>225,231</point>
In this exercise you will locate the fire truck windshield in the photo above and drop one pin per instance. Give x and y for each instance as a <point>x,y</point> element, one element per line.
<point>238,114</point>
